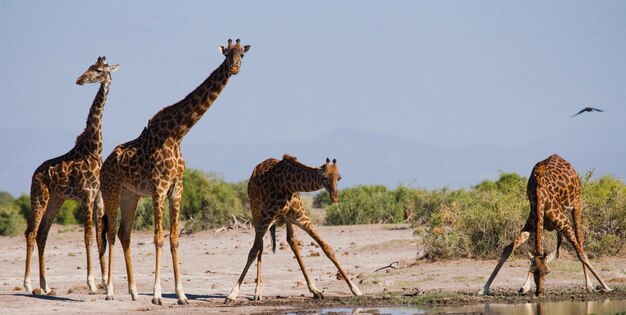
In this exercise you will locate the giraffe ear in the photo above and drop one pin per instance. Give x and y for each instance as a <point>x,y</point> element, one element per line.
<point>531,256</point>
<point>221,49</point>
<point>114,68</point>
<point>246,48</point>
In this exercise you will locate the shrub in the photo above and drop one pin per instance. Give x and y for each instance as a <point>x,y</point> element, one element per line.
<point>144,215</point>
<point>210,201</point>
<point>11,221</point>
<point>604,215</point>
<point>67,211</point>
<point>23,204</point>
<point>364,205</point>
<point>5,198</point>
<point>490,215</point>
<point>476,223</point>
<point>321,199</point>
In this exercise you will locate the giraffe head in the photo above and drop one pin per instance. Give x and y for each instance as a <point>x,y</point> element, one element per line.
<point>330,176</point>
<point>539,268</point>
<point>234,54</point>
<point>99,72</point>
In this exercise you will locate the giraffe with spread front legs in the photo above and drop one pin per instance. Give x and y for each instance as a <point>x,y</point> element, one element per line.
<point>274,193</point>
<point>152,165</point>
<point>554,189</point>
<point>74,175</point>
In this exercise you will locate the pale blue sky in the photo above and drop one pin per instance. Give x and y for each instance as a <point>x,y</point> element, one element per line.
<point>448,73</point>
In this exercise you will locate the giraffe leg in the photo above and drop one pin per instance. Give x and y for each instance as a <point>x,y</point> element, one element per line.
<point>520,239</point>
<point>99,217</point>
<point>175,197</point>
<point>39,202</point>
<point>305,224</point>
<point>578,232</point>
<point>257,248</point>
<point>292,240</point>
<point>42,236</point>
<point>258,294</point>
<point>88,206</point>
<point>569,234</point>
<point>111,197</point>
<point>128,206</point>
<point>158,201</point>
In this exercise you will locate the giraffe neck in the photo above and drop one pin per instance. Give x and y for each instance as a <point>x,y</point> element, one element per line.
<point>176,120</point>
<point>301,178</point>
<point>91,138</point>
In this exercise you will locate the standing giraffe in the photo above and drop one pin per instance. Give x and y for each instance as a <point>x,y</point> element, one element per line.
<point>274,196</point>
<point>74,175</point>
<point>554,188</point>
<point>152,165</point>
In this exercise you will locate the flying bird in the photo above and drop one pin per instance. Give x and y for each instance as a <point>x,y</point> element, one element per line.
<point>587,109</point>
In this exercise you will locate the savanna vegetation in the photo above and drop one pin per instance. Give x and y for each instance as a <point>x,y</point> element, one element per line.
<point>479,222</point>
<point>462,223</point>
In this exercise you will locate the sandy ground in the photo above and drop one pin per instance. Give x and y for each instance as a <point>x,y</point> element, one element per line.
<point>212,261</point>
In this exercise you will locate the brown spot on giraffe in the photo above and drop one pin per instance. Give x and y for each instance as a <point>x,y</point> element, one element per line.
<point>152,165</point>
<point>549,205</point>
<point>74,175</point>
<point>273,191</point>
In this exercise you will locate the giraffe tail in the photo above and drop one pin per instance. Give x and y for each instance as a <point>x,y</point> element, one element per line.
<point>273,235</point>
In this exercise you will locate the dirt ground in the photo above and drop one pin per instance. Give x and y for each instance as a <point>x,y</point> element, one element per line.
<point>211,262</point>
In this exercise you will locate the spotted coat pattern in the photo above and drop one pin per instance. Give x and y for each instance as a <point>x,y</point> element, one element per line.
<point>152,165</point>
<point>274,193</point>
<point>73,175</point>
<point>554,190</point>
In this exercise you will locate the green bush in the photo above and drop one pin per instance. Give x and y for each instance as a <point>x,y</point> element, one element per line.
<point>144,215</point>
<point>23,204</point>
<point>604,215</point>
<point>491,214</point>
<point>321,199</point>
<point>480,222</point>
<point>5,198</point>
<point>208,201</point>
<point>11,221</point>
<point>364,205</point>
<point>67,211</point>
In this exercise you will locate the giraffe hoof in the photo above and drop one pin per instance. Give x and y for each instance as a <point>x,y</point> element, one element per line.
<point>37,291</point>
<point>522,291</point>
<point>109,298</point>
<point>183,302</point>
<point>257,298</point>
<point>318,296</point>
<point>52,293</point>
<point>229,301</point>
<point>157,301</point>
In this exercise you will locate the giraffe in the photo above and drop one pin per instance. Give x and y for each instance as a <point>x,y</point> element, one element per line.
<point>554,188</point>
<point>74,175</point>
<point>273,190</point>
<point>152,165</point>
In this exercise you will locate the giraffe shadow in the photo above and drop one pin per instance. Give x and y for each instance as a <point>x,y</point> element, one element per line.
<point>48,297</point>
<point>191,297</point>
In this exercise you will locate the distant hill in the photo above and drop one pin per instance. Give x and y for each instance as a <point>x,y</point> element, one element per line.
<point>369,158</point>
<point>363,158</point>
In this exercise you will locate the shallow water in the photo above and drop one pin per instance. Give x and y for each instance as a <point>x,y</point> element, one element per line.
<point>564,307</point>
